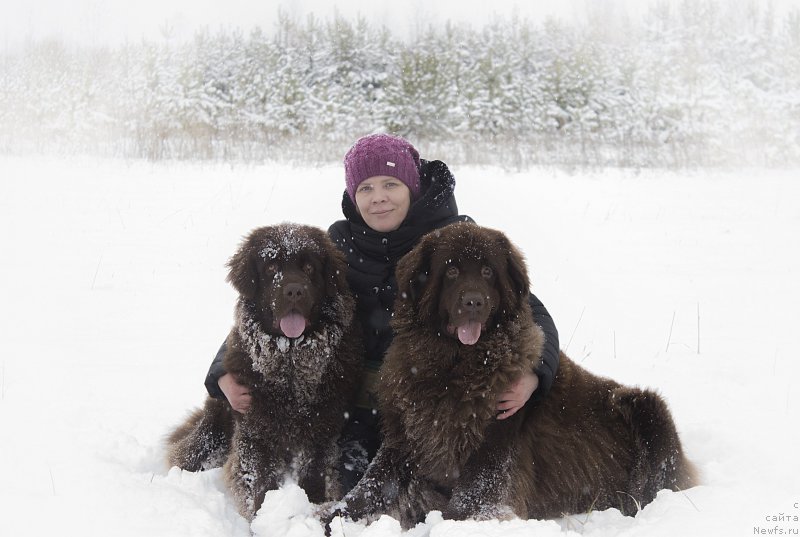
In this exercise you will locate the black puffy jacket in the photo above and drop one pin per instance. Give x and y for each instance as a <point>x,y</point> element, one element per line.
<point>372,257</point>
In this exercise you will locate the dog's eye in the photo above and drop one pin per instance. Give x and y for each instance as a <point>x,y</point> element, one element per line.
<point>452,272</point>
<point>487,272</point>
<point>272,268</point>
<point>308,268</point>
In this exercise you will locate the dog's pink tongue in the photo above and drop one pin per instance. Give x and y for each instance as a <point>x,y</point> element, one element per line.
<point>292,325</point>
<point>469,333</point>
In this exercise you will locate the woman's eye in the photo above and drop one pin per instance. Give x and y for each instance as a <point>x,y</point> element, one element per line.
<point>487,272</point>
<point>452,272</point>
<point>365,188</point>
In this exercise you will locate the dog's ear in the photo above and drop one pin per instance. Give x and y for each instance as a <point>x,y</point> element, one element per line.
<point>518,286</point>
<point>413,272</point>
<point>243,270</point>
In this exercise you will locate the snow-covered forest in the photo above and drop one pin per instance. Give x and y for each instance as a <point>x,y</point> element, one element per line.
<point>698,84</point>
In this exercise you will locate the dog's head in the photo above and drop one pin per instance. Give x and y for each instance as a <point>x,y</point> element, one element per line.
<point>462,280</point>
<point>288,272</point>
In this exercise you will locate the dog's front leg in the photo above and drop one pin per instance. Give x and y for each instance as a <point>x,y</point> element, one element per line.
<point>319,477</point>
<point>481,491</point>
<point>376,492</point>
<point>251,470</point>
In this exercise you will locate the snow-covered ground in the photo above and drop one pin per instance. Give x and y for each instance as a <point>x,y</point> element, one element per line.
<point>114,300</point>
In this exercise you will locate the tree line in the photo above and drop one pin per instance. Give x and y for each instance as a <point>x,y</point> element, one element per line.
<point>695,85</point>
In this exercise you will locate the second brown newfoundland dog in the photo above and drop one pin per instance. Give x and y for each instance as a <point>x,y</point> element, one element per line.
<point>294,344</point>
<point>463,333</point>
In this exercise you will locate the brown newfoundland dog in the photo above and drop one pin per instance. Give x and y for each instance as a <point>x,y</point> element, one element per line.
<point>295,346</point>
<point>463,333</point>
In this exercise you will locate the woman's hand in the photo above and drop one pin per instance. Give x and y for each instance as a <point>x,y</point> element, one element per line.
<point>238,395</point>
<point>517,395</point>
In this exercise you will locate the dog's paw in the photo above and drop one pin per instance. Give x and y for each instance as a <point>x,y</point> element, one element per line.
<point>326,512</point>
<point>464,511</point>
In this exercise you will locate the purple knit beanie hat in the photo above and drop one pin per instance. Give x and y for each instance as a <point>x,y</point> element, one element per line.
<point>382,154</point>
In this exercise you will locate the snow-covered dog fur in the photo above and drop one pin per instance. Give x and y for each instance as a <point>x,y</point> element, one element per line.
<point>294,345</point>
<point>463,333</point>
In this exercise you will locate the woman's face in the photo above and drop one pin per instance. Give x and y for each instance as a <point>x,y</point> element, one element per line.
<point>383,202</point>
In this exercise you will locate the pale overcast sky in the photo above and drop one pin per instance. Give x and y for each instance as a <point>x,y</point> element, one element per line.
<point>112,21</point>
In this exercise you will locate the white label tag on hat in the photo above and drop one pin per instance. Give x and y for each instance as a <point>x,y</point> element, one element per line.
<point>392,164</point>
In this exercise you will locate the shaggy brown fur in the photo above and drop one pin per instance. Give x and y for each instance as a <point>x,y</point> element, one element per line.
<point>463,333</point>
<point>295,346</point>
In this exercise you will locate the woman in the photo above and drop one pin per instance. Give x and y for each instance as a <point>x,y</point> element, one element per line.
<point>392,199</point>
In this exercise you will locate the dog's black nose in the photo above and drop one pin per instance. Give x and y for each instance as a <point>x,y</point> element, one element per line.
<point>293,291</point>
<point>472,301</point>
